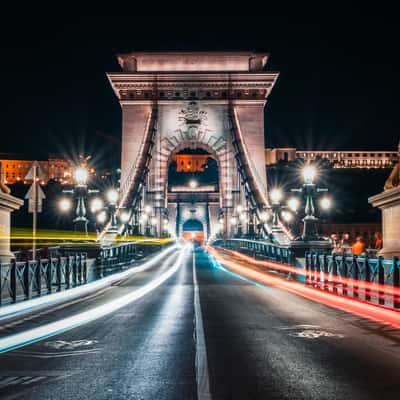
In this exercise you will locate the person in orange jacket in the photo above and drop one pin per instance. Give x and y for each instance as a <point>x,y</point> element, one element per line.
<point>358,247</point>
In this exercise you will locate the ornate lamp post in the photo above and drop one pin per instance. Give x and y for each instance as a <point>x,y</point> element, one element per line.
<point>309,189</point>
<point>80,192</point>
<point>112,198</point>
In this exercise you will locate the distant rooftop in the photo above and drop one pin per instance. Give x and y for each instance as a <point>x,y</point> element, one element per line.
<point>192,61</point>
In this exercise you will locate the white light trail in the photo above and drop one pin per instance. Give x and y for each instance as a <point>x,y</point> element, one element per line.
<point>34,335</point>
<point>79,291</point>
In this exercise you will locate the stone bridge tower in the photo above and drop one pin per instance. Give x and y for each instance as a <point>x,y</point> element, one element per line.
<point>214,101</point>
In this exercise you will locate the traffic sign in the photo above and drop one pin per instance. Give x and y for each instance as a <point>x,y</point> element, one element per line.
<point>31,173</point>
<point>40,196</point>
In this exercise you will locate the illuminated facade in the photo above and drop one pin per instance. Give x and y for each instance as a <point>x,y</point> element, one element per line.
<point>56,169</point>
<point>191,162</point>
<point>339,159</point>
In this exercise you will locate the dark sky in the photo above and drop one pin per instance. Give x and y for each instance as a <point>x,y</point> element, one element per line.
<point>338,85</point>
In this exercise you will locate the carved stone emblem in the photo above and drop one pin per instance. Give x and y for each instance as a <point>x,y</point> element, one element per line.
<point>192,115</point>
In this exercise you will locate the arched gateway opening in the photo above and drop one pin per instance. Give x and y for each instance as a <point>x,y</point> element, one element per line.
<point>193,230</point>
<point>193,190</point>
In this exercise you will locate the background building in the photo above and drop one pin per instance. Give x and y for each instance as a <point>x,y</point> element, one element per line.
<point>338,159</point>
<point>57,169</point>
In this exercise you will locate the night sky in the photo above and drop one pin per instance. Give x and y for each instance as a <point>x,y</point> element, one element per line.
<point>338,85</point>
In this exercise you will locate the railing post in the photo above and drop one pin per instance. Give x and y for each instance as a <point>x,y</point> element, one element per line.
<point>396,283</point>
<point>38,276</point>
<point>74,271</point>
<point>84,268</point>
<point>367,276</point>
<point>58,273</point>
<point>67,272</point>
<point>49,275</point>
<point>345,275</point>
<point>335,271</point>
<point>13,281</point>
<point>355,276</point>
<point>381,280</point>
<point>27,281</point>
<point>326,271</point>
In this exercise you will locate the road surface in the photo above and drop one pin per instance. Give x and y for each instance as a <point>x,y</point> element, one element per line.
<point>205,334</point>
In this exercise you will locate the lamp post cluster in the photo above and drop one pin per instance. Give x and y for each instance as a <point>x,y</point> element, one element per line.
<point>287,212</point>
<point>80,198</point>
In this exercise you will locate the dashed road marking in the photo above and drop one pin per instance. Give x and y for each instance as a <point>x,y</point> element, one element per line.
<point>202,376</point>
<point>19,380</point>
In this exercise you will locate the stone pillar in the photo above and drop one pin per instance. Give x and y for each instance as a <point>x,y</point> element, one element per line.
<point>8,204</point>
<point>389,203</point>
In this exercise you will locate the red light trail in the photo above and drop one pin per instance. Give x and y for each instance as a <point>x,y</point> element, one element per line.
<point>358,307</point>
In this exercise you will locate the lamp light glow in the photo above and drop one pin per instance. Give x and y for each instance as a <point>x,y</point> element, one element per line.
<point>96,205</point>
<point>147,209</point>
<point>101,217</point>
<point>193,184</point>
<point>112,196</point>
<point>325,203</point>
<point>276,196</point>
<point>309,173</point>
<point>294,203</point>
<point>233,221</point>
<point>124,217</point>
<point>81,175</point>
<point>65,204</point>
<point>287,216</point>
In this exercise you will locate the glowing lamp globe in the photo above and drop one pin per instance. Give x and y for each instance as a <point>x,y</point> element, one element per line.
<point>96,205</point>
<point>239,208</point>
<point>65,205</point>
<point>124,217</point>
<point>147,209</point>
<point>309,174</point>
<point>294,203</point>
<point>154,221</point>
<point>101,218</point>
<point>112,196</point>
<point>81,175</point>
<point>287,216</point>
<point>276,196</point>
<point>325,203</point>
<point>193,184</point>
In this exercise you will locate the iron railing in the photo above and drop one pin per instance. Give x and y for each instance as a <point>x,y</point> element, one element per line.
<point>259,249</point>
<point>372,279</point>
<point>22,280</point>
<point>342,274</point>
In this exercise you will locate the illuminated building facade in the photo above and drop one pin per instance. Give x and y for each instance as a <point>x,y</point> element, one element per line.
<point>56,169</point>
<point>339,159</point>
<point>191,162</point>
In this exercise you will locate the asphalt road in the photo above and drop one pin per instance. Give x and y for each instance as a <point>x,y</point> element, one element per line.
<point>204,333</point>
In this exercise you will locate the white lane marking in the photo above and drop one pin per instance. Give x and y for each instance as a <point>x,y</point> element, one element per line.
<point>19,380</point>
<point>315,334</point>
<point>202,377</point>
<point>36,334</point>
<point>30,305</point>
<point>55,355</point>
<point>66,345</point>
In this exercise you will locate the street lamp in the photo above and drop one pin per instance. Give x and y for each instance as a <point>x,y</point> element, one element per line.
<point>80,192</point>
<point>193,184</point>
<point>112,198</point>
<point>276,196</point>
<point>65,204</point>
<point>309,189</point>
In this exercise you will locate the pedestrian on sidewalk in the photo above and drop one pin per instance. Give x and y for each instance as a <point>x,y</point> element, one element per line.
<point>358,247</point>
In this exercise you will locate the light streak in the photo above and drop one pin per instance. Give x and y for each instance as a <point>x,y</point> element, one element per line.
<point>34,335</point>
<point>358,307</point>
<point>51,299</point>
<point>316,275</point>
